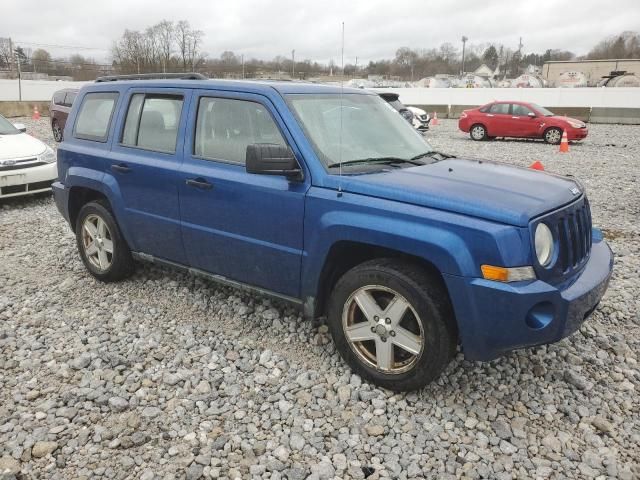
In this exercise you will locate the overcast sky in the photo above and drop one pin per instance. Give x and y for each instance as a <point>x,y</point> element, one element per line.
<point>374,28</point>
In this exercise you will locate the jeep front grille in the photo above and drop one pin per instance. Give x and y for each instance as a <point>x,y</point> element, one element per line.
<point>574,237</point>
<point>571,228</point>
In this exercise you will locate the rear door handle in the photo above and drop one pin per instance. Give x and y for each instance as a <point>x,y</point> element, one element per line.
<point>200,183</point>
<point>121,168</point>
<point>489,115</point>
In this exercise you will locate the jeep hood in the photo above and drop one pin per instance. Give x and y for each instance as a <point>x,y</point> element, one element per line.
<point>493,191</point>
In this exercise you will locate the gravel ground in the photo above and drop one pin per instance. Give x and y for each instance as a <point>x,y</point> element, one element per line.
<point>168,376</point>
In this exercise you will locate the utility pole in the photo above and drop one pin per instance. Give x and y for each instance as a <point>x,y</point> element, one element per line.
<point>293,64</point>
<point>356,72</point>
<point>242,57</point>
<point>464,42</point>
<point>17,59</point>
<point>520,47</point>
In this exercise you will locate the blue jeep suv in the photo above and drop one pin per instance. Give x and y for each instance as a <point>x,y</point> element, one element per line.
<point>327,198</point>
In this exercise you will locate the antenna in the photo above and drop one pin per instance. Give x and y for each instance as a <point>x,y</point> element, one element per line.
<point>341,113</point>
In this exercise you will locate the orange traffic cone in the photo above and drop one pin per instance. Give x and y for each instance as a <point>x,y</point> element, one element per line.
<point>434,120</point>
<point>564,143</point>
<point>537,165</point>
<point>36,113</point>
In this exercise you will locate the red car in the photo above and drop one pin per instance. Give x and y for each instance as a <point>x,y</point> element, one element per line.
<point>520,120</point>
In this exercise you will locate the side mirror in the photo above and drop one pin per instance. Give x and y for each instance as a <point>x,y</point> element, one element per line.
<point>531,115</point>
<point>272,159</point>
<point>20,126</point>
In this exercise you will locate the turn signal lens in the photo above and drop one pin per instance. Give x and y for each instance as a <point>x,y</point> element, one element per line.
<point>503,274</point>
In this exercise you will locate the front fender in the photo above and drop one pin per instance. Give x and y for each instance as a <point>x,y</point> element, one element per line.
<point>454,244</point>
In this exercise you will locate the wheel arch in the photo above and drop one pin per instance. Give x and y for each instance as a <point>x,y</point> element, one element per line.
<point>345,255</point>
<point>79,196</point>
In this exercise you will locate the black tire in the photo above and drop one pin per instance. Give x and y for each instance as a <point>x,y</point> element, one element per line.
<point>427,298</point>
<point>57,131</point>
<point>478,132</point>
<point>121,263</point>
<point>553,135</point>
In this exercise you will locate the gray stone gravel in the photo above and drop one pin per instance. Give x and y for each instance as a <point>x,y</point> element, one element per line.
<point>167,376</point>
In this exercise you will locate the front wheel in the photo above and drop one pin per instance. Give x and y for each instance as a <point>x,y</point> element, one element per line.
<point>102,248</point>
<point>553,136</point>
<point>478,132</point>
<point>393,324</point>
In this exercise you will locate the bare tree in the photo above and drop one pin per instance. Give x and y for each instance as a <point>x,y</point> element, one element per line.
<point>189,43</point>
<point>40,60</point>
<point>5,53</point>
<point>165,33</point>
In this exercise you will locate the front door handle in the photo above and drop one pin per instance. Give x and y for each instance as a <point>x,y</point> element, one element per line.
<point>200,183</point>
<point>121,168</point>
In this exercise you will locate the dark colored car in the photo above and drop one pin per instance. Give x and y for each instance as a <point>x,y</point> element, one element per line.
<point>326,198</point>
<point>393,99</point>
<point>519,120</point>
<point>59,110</point>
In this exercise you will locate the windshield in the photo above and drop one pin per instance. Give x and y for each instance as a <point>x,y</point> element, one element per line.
<point>371,129</point>
<point>542,110</point>
<point>7,128</point>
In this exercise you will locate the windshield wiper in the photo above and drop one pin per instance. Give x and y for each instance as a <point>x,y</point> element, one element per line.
<point>383,160</point>
<point>432,153</point>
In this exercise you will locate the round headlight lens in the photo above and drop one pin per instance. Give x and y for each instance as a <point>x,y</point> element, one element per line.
<point>544,244</point>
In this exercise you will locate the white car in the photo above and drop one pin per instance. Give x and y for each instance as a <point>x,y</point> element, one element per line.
<point>420,119</point>
<point>26,164</point>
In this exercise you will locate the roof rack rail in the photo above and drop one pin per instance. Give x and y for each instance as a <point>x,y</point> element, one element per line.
<point>152,76</point>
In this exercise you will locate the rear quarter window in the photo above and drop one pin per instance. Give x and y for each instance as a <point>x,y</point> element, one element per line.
<point>94,117</point>
<point>58,98</point>
<point>69,99</point>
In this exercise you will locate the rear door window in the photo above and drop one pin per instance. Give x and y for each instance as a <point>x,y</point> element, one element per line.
<point>94,116</point>
<point>152,122</point>
<point>500,108</point>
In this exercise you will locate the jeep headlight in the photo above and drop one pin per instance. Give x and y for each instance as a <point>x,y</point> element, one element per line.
<point>543,240</point>
<point>48,156</point>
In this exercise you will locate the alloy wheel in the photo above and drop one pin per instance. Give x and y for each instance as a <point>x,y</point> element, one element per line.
<point>97,242</point>
<point>383,329</point>
<point>477,132</point>
<point>57,132</point>
<point>553,136</point>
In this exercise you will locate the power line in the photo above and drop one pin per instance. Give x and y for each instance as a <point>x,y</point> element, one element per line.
<point>71,47</point>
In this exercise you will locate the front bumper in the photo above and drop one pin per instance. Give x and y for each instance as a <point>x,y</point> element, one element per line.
<point>25,181</point>
<point>577,133</point>
<point>61,197</point>
<point>495,318</point>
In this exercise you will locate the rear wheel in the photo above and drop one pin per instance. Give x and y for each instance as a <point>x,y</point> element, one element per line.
<point>102,248</point>
<point>392,323</point>
<point>57,131</point>
<point>553,136</point>
<point>478,132</point>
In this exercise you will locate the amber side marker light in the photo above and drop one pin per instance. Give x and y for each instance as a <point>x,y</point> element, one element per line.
<point>504,274</point>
